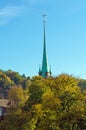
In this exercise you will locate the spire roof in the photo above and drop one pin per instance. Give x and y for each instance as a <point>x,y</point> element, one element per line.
<point>44,72</point>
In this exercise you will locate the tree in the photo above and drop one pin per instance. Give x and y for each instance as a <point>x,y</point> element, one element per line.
<point>47,104</point>
<point>5,84</point>
<point>17,97</point>
<point>13,121</point>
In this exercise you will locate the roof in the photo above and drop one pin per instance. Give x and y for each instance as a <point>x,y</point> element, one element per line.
<point>4,103</point>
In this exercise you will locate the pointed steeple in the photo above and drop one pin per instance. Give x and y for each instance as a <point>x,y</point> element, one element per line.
<point>40,72</point>
<point>44,72</point>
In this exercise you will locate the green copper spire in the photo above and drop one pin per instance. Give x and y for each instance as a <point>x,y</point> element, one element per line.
<point>44,62</point>
<point>44,72</point>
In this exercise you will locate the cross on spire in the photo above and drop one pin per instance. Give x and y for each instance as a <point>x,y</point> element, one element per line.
<point>44,17</point>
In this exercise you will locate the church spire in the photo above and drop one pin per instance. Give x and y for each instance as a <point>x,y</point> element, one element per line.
<point>44,72</point>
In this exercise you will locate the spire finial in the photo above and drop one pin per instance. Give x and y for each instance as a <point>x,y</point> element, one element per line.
<point>44,17</point>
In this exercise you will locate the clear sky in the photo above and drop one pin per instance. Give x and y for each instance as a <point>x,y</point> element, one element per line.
<point>21,36</point>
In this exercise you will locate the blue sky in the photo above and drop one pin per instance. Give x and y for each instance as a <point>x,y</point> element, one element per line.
<point>21,36</point>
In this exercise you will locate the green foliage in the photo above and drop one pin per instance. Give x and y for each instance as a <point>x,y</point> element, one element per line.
<point>10,78</point>
<point>82,84</point>
<point>16,122</point>
<point>4,80</point>
<point>35,94</point>
<point>46,104</point>
<point>5,84</point>
<point>16,77</point>
<point>17,96</point>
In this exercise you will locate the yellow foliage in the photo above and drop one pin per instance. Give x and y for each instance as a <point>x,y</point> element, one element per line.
<point>16,96</point>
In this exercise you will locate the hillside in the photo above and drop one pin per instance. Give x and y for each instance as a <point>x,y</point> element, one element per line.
<point>10,78</point>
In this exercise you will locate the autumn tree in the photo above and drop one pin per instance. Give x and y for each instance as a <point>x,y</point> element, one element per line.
<point>5,84</point>
<point>17,96</point>
<point>55,103</point>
